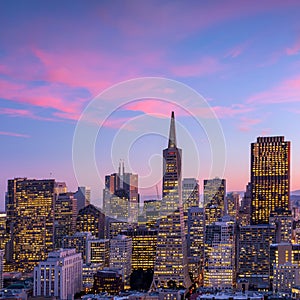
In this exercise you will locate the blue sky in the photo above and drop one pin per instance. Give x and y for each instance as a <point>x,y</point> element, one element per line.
<point>55,57</point>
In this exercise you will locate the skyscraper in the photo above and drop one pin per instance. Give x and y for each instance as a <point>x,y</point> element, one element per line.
<point>171,254</point>
<point>31,221</point>
<point>144,243</point>
<point>83,196</point>
<point>214,199</point>
<point>171,186</point>
<point>121,255</point>
<point>65,213</point>
<point>270,178</point>
<point>91,219</point>
<point>124,186</point>
<point>219,249</point>
<point>190,193</point>
<point>195,241</point>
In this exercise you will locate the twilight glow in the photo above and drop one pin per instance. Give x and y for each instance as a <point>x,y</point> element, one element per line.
<point>55,57</point>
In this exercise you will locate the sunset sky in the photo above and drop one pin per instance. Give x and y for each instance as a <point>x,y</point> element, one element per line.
<point>243,57</point>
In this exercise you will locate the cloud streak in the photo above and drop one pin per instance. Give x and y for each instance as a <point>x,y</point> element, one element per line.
<point>14,134</point>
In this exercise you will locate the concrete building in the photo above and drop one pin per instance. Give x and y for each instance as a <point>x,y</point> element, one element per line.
<point>121,256</point>
<point>60,275</point>
<point>97,252</point>
<point>219,254</point>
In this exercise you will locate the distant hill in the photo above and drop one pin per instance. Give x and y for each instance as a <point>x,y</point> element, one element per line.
<point>295,193</point>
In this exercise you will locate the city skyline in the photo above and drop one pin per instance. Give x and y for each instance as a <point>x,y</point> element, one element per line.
<point>56,57</point>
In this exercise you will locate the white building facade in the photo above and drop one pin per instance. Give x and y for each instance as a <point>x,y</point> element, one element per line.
<point>60,275</point>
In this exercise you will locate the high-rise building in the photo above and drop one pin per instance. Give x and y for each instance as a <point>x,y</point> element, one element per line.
<point>108,281</point>
<point>195,239</point>
<point>144,243</point>
<point>97,252</point>
<point>171,253</point>
<point>121,255</point>
<point>60,188</point>
<point>190,193</point>
<point>30,217</point>
<point>91,219</point>
<point>219,254</point>
<point>59,276</point>
<point>78,241</point>
<point>124,186</point>
<point>214,199</point>
<point>245,207</point>
<point>114,227</point>
<point>171,185</point>
<point>232,204</point>
<point>254,254</point>
<point>65,214</point>
<point>83,196</point>
<point>1,268</point>
<point>270,177</point>
<point>151,211</point>
<point>284,258</point>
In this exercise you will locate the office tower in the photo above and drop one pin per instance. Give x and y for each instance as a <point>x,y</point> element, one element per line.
<point>1,268</point>
<point>219,254</point>
<point>121,255</point>
<point>284,226</point>
<point>171,253</point>
<point>59,276</point>
<point>60,188</point>
<point>283,254</point>
<point>83,196</point>
<point>195,241</point>
<point>88,272</point>
<point>97,252</point>
<point>119,206</point>
<point>270,177</point>
<point>171,185</point>
<point>254,254</point>
<point>151,212</point>
<point>286,277</point>
<point>65,214</point>
<point>190,193</point>
<point>114,227</point>
<point>91,219</point>
<point>3,231</point>
<point>214,199</point>
<point>245,207</point>
<point>125,186</point>
<point>108,281</point>
<point>78,241</point>
<point>233,204</point>
<point>144,243</point>
<point>30,219</point>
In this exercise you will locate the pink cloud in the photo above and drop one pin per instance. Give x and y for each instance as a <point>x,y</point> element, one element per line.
<point>14,134</point>
<point>238,50</point>
<point>285,92</point>
<point>155,107</point>
<point>50,96</point>
<point>161,108</point>
<point>294,49</point>
<point>205,66</point>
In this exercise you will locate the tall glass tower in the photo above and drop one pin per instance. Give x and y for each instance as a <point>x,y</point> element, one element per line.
<point>270,178</point>
<point>171,254</point>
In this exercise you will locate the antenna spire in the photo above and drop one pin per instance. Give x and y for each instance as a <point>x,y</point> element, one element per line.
<point>172,133</point>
